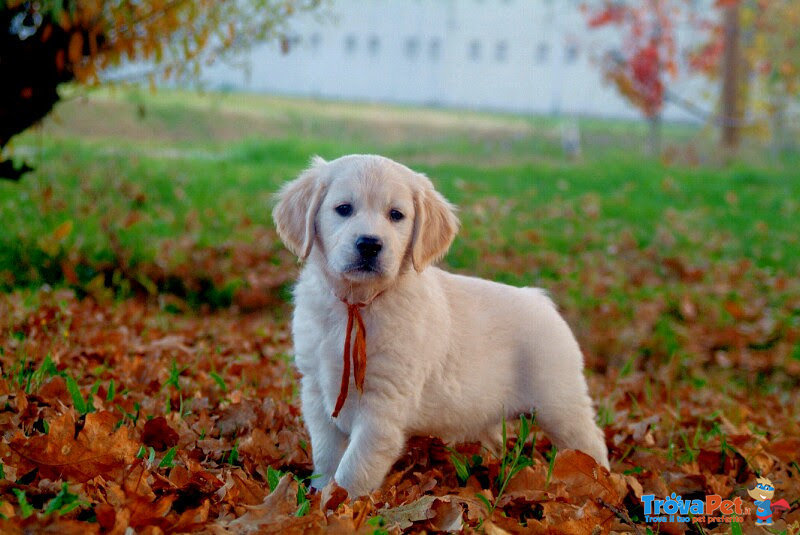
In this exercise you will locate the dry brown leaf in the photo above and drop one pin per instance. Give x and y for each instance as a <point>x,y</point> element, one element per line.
<point>96,449</point>
<point>332,496</point>
<point>405,515</point>
<point>573,519</point>
<point>583,478</point>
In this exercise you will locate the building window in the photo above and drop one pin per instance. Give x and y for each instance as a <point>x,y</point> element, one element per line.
<point>542,51</point>
<point>475,50</point>
<point>350,44</point>
<point>374,45</point>
<point>435,49</point>
<point>571,53</point>
<point>501,52</point>
<point>412,47</point>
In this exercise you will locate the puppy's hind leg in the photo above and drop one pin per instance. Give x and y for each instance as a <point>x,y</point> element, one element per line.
<point>572,426</point>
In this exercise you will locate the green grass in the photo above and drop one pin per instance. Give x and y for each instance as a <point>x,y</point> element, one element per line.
<point>198,171</point>
<point>678,278</point>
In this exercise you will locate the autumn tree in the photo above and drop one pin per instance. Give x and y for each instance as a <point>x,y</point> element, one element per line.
<point>750,47</point>
<point>641,67</point>
<point>766,76</point>
<point>48,42</point>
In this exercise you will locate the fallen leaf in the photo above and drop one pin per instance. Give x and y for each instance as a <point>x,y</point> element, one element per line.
<point>158,434</point>
<point>96,449</point>
<point>583,478</point>
<point>444,512</point>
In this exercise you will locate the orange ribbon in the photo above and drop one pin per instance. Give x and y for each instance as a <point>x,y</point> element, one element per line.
<point>358,354</point>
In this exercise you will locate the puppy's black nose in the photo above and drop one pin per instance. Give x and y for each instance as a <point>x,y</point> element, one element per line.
<point>368,246</point>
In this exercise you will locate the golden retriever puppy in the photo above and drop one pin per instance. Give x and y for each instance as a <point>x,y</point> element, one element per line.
<point>390,347</point>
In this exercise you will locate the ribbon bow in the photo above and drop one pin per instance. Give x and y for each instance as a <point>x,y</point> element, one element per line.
<point>358,354</point>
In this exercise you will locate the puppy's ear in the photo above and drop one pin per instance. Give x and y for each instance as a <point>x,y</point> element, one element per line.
<point>435,226</point>
<point>296,211</point>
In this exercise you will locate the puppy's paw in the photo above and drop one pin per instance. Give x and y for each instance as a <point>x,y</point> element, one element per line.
<point>356,484</point>
<point>320,481</point>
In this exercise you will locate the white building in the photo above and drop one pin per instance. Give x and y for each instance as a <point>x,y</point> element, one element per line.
<point>515,55</point>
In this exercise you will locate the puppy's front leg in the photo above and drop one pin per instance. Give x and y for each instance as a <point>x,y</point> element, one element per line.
<point>327,441</point>
<point>375,444</point>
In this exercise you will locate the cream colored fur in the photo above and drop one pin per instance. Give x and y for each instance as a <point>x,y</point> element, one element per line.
<point>447,355</point>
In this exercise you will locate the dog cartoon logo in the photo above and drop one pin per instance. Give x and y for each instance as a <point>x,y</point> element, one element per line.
<point>762,495</point>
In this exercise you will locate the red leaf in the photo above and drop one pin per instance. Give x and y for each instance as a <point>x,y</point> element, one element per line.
<point>158,434</point>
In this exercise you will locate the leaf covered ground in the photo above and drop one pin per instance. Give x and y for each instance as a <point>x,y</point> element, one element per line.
<point>179,422</point>
<point>147,380</point>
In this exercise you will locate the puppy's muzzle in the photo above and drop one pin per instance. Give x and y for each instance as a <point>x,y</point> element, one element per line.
<point>369,247</point>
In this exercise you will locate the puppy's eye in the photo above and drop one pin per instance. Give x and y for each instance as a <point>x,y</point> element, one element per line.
<point>344,209</point>
<point>396,215</point>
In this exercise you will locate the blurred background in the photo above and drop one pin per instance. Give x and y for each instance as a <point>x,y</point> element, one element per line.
<point>639,160</point>
<point>626,155</point>
<point>142,140</point>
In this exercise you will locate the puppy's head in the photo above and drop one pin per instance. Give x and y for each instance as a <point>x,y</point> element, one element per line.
<point>369,216</point>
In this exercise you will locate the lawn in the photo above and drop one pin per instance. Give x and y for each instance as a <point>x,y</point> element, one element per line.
<point>145,288</point>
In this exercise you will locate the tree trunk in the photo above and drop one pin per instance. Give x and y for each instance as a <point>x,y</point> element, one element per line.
<point>29,77</point>
<point>731,109</point>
